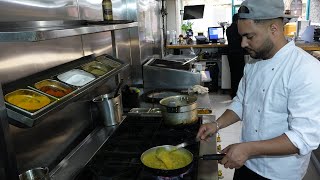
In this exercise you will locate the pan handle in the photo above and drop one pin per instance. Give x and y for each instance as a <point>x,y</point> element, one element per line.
<point>212,156</point>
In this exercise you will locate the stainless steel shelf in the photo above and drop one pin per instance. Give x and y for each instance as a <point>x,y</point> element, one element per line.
<point>45,30</point>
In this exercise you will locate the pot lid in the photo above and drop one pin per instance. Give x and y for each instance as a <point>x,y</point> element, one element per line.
<point>154,96</point>
<point>178,101</point>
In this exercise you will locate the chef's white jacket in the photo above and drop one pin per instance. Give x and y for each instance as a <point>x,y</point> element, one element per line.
<point>276,96</point>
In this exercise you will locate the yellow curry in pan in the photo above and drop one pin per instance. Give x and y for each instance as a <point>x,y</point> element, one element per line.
<point>166,159</point>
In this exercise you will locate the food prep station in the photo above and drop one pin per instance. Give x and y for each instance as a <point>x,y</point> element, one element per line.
<point>69,82</point>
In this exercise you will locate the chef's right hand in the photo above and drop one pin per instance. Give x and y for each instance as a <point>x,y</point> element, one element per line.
<point>206,131</point>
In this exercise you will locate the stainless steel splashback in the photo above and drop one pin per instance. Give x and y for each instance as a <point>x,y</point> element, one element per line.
<point>27,10</point>
<point>21,59</point>
<point>90,10</point>
<point>149,28</point>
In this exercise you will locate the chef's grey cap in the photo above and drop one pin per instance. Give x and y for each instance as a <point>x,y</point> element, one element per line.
<point>262,9</point>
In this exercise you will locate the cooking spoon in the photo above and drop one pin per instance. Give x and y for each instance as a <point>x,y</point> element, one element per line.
<point>161,151</point>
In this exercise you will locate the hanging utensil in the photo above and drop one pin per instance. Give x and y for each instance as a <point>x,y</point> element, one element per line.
<point>118,87</point>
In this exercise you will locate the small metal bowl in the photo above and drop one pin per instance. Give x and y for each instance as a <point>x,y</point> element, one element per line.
<point>40,173</point>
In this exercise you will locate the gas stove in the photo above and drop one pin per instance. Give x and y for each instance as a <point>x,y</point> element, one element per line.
<point>119,157</point>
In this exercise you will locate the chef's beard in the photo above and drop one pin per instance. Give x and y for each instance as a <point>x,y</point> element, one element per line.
<point>264,52</point>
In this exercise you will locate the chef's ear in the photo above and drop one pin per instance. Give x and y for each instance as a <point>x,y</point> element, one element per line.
<point>273,27</point>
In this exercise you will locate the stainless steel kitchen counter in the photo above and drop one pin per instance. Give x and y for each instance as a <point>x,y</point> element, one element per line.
<point>207,169</point>
<point>81,155</point>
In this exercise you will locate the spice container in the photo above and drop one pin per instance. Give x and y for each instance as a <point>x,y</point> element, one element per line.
<point>96,68</point>
<point>27,99</point>
<point>204,111</point>
<point>76,77</point>
<point>54,88</point>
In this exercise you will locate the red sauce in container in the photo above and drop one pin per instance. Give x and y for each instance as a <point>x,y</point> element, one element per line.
<point>55,91</point>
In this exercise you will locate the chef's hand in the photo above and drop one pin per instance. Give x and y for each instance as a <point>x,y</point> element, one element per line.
<point>236,155</point>
<point>206,131</point>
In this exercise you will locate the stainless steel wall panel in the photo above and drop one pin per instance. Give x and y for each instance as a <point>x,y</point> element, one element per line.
<point>123,51</point>
<point>27,10</point>
<point>98,43</point>
<point>135,56</point>
<point>19,60</point>
<point>132,10</point>
<point>43,145</point>
<point>149,27</point>
<point>119,9</point>
<point>90,10</point>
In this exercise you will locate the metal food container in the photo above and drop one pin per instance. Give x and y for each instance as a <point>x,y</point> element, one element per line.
<point>53,88</point>
<point>108,61</point>
<point>110,108</point>
<point>27,99</point>
<point>76,77</point>
<point>97,68</point>
<point>179,110</point>
<point>40,173</point>
<point>204,111</point>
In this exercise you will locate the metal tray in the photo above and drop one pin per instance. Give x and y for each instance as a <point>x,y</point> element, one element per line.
<point>97,68</point>
<point>23,118</point>
<point>108,61</point>
<point>11,107</point>
<point>53,85</point>
<point>76,77</point>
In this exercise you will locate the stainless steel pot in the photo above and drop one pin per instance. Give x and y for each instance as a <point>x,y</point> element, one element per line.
<point>40,173</point>
<point>110,108</point>
<point>179,110</point>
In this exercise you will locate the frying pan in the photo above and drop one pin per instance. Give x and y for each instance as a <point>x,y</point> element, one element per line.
<point>178,171</point>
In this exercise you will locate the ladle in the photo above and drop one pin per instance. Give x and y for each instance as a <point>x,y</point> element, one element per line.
<point>118,87</point>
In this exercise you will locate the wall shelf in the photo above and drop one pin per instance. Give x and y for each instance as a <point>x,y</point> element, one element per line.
<point>45,30</point>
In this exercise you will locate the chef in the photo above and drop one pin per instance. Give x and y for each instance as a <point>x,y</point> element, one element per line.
<point>277,100</point>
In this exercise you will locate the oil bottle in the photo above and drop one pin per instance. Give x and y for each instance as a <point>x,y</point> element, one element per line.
<point>107,10</point>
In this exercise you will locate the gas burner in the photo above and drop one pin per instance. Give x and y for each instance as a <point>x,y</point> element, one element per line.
<point>179,177</point>
<point>169,178</point>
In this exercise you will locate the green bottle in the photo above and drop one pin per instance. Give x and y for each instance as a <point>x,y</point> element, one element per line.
<point>107,10</point>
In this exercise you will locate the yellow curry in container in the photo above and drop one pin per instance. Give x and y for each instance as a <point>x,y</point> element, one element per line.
<point>27,99</point>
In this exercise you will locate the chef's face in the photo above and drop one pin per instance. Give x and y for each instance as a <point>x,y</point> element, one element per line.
<point>255,39</point>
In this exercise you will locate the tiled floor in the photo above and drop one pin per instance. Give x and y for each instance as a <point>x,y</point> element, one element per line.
<point>232,133</point>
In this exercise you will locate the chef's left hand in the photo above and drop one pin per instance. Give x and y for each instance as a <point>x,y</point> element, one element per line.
<point>236,155</point>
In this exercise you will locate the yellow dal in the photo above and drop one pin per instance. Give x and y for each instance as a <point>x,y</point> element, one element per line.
<point>28,102</point>
<point>166,160</point>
